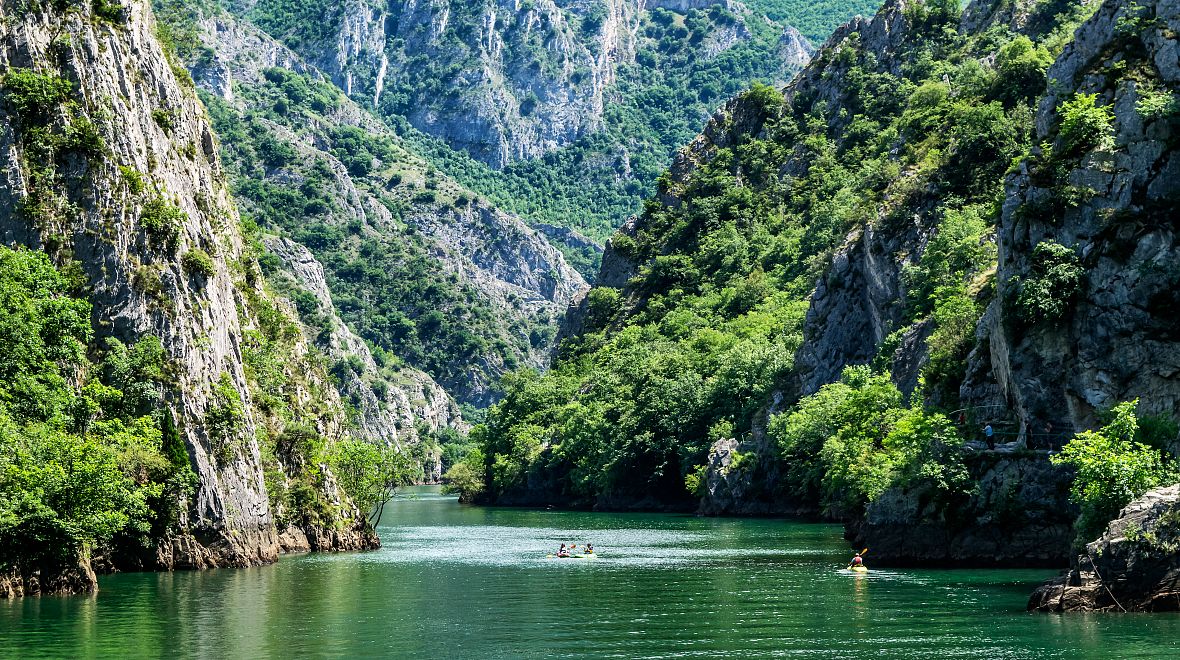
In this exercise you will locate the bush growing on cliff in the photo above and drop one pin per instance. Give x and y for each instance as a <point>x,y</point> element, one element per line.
<point>1049,292</point>
<point>1020,69</point>
<point>225,419</point>
<point>163,222</point>
<point>1112,469</point>
<point>1085,125</point>
<point>34,96</point>
<point>198,262</point>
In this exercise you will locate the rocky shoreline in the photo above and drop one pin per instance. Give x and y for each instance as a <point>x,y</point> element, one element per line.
<point>1133,567</point>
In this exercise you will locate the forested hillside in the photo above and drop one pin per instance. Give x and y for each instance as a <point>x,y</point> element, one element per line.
<point>440,287</point>
<point>840,283</point>
<point>563,114</point>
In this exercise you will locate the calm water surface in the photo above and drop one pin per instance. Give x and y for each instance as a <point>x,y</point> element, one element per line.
<point>454,581</point>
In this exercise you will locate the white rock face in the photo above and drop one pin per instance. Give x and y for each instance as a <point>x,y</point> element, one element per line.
<point>501,107</point>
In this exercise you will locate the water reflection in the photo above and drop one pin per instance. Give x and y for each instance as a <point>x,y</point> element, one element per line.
<point>457,581</point>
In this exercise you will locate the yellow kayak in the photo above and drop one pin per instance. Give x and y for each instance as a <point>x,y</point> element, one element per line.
<point>585,556</point>
<point>859,569</point>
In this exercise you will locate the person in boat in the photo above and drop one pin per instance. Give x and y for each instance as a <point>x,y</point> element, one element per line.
<point>563,552</point>
<point>856,561</point>
<point>589,548</point>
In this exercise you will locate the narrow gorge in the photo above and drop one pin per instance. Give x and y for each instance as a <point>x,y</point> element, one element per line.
<point>458,283</point>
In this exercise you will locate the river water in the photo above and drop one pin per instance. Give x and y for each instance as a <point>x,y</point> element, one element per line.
<point>469,582</point>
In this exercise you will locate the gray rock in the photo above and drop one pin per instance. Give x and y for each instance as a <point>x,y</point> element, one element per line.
<point>1018,515</point>
<point>1133,566</point>
<point>1119,341</point>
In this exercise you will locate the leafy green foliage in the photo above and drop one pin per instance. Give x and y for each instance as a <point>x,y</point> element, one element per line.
<point>369,473</point>
<point>815,20</point>
<point>1154,104</point>
<point>1020,69</point>
<point>1050,290</point>
<point>78,464</point>
<point>847,443</point>
<point>959,248</point>
<point>1085,125</point>
<point>162,221</point>
<point>35,96</point>
<point>385,284</point>
<point>198,262</point>
<point>110,11</point>
<point>1112,469</point>
<point>466,476</point>
<point>225,417</point>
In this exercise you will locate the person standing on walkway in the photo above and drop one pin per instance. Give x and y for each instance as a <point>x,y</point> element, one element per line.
<point>988,433</point>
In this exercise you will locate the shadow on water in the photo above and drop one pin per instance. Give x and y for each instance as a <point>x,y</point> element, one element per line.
<point>456,581</point>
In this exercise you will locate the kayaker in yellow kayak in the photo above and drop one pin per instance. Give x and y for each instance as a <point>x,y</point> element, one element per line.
<point>857,562</point>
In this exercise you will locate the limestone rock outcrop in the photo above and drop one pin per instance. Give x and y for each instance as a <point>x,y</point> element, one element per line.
<point>1118,338</point>
<point>1133,566</point>
<point>525,79</point>
<point>1019,514</point>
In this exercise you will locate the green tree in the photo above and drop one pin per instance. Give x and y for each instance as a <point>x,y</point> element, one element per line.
<point>369,473</point>
<point>1112,469</point>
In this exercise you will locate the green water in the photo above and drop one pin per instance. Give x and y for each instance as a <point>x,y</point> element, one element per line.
<point>456,581</point>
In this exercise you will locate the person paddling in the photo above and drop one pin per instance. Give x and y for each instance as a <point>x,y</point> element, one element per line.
<point>563,552</point>
<point>857,560</point>
<point>589,548</point>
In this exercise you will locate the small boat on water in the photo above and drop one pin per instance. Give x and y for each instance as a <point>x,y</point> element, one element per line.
<point>859,569</point>
<point>590,555</point>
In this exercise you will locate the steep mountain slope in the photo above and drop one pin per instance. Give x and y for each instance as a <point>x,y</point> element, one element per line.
<point>422,269</point>
<point>836,288</point>
<point>505,81</point>
<point>111,168</point>
<point>578,104</point>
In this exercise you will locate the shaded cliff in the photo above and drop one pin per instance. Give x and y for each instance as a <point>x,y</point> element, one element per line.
<point>1103,199</point>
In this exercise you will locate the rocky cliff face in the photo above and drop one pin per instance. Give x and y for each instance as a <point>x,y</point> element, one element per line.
<point>133,207</point>
<point>508,268</point>
<point>1116,338</point>
<point>1134,566</point>
<point>505,80</point>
